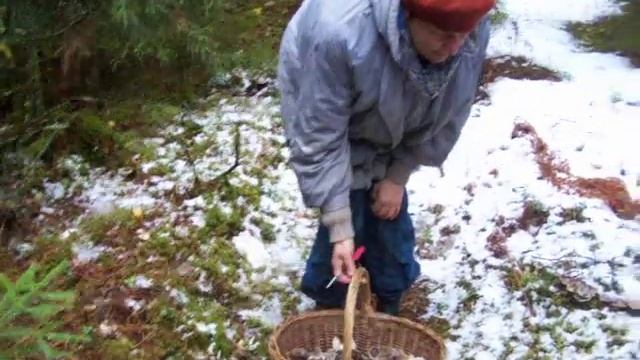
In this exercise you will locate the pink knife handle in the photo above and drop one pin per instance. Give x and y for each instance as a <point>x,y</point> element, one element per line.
<point>358,253</point>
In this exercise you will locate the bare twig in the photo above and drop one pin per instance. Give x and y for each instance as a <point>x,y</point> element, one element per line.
<point>196,178</point>
<point>593,261</point>
<point>236,162</point>
<point>74,22</point>
<point>2,228</point>
<point>145,337</point>
<point>529,303</point>
<point>197,182</point>
<point>187,153</point>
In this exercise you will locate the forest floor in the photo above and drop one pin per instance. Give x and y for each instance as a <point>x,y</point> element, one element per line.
<point>529,243</point>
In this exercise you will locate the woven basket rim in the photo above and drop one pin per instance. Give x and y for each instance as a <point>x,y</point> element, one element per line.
<point>275,353</point>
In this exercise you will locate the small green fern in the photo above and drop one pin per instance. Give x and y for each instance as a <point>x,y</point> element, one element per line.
<point>27,315</point>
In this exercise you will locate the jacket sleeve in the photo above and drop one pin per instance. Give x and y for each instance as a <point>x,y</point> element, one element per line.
<point>435,150</point>
<point>316,125</point>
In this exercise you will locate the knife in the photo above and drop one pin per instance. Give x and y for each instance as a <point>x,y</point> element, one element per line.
<point>356,256</point>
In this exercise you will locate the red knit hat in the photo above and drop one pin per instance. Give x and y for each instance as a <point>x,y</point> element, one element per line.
<point>450,15</point>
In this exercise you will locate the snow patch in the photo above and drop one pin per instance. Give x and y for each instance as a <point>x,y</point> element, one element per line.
<point>84,253</point>
<point>54,190</point>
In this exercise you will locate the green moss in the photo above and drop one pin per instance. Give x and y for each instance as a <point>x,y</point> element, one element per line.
<point>50,249</point>
<point>163,244</point>
<point>535,213</point>
<point>97,226</point>
<point>167,316</point>
<point>123,113</point>
<point>223,265</point>
<point>91,135</point>
<point>513,278</point>
<point>471,296</point>
<point>538,278</point>
<point>426,236</point>
<point>499,17</point>
<point>117,349</point>
<point>200,149</point>
<point>498,14</point>
<point>290,302</point>
<point>249,192</point>
<point>108,259</point>
<point>191,129</point>
<point>540,283</point>
<point>616,33</point>
<point>566,300</point>
<point>223,344</point>
<point>210,312</point>
<point>508,350</point>
<point>266,288</point>
<point>159,113</point>
<point>132,144</point>
<point>440,326</point>
<point>573,214</point>
<point>254,323</point>
<point>558,337</point>
<point>570,327</point>
<point>222,224</point>
<point>553,312</point>
<point>585,346</point>
<point>160,170</point>
<point>162,311</point>
<point>614,330</point>
<point>261,331</point>
<point>555,330</point>
<point>536,350</point>
<point>267,229</point>
<point>616,342</point>
<point>142,116</point>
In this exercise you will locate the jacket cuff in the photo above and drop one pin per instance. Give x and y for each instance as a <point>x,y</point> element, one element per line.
<point>339,224</point>
<point>399,172</point>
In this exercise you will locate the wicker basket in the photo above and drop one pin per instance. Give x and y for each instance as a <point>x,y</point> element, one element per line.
<point>366,328</point>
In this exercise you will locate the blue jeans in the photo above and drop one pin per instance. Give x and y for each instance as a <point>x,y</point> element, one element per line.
<point>388,257</point>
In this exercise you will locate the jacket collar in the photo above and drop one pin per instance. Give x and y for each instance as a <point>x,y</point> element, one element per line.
<point>390,18</point>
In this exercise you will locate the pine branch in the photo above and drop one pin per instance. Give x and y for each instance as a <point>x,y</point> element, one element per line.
<point>74,22</point>
<point>37,308</point>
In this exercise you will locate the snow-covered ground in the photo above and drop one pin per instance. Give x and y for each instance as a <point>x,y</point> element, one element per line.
<point>590,119</point>
<point>496,307</point>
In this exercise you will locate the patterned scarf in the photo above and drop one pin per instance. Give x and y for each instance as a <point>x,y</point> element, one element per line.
<point>432,77</point>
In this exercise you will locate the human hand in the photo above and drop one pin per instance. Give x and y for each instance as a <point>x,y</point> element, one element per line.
<point>387,199</point>
<point>342,261</point>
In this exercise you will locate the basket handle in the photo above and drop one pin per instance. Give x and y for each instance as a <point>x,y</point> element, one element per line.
<point>359,282</point>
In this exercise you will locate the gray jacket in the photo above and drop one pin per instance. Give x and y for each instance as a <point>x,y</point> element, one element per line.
<point>353,113</point>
